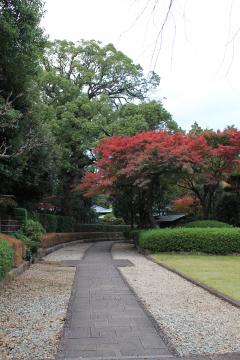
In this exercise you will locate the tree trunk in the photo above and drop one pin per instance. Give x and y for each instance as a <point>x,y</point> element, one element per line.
<point>145,210</point>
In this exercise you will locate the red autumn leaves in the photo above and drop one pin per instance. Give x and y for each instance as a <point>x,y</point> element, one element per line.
<point>138,160</point>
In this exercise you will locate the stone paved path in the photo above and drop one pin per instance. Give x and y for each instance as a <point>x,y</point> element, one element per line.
<point>106,320</point>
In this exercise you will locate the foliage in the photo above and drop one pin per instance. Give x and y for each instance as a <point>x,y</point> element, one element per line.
<point>7,205</point>
<point>101,228</point>
<point>110,218</point>
<point>33,230</point>
<point>6,258</point>
<point>208,240</point>
<point>218,158</point>
<point>132,234</point>
<point>228,209</point>
<point>65,224</point>
<point>187,204</point>
<point>146,116</point>
<point>48,221</point>
<point>143,163</point>
<point>21,45</point>
<point>30,233</point>
<point>95,70</point>
<point>56,223</point>
<point>207,224</point>
<point>22,214</point>
<point>31,245</point>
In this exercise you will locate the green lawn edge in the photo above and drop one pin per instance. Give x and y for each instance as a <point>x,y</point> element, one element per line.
<point>221,273</point>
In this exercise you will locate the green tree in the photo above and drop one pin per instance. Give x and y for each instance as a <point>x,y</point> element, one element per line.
<point>25,140</point>
<point>84,85</point>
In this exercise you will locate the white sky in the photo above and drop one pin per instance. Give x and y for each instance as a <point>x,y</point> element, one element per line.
<point>198,60</point>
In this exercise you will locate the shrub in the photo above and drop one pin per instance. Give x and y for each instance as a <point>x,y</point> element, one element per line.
<point>21,214</point>
<point>208,240</point>
<point>18,247</point>
<point>65,224</point>
<point>132,234</point>
<point>48,221</point>
<point>111,219</point>
<point>228,209</point>
<point>207,224</point>
<point>7,205</point>
<point>31,246</point>
<point>31,233</point>
<point>6,258</point>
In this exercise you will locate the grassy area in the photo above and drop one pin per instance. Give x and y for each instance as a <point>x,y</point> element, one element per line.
<point>219,272</point>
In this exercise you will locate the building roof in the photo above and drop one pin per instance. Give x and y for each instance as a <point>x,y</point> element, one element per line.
<point>101,210</point>
<point>170,218</point>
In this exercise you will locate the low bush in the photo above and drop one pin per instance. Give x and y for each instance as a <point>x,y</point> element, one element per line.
<point>31,233</point>
<point>208,240</point>
<point>31,246</point>
<point>207,224</point>
<point>6,258</point>
<point>19,249</point>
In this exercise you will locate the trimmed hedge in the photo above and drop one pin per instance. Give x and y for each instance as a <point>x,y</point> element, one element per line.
<point>6,258</point>
<point>52,239</point>
<point>101,227</point>
<point>132,234</point>
<point>48,221</point>
<point>208,240</point>
<point>207,224</point>
<point>21,214</point>
<point>56,223</point>
<point>65,224</point>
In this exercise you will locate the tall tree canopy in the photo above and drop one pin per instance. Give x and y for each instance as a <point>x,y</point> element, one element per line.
<point>25,140</point>
<point>96,70</point>
<point>88,89</point>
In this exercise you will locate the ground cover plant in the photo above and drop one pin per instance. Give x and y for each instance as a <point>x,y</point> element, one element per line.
<point>208,240</point>
<point>219,272</point>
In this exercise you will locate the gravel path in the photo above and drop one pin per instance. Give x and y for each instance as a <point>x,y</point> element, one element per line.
<point>33,307</point>
<point>196,322</point>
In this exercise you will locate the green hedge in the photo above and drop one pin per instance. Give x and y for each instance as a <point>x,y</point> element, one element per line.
<point>207,224</point>
<point>6,258</point>
<point>132,234</point>
<point>208,240</point>
<point>21,214</point>
<point>65,224</point>
<point>48,221</point>
<point>101,227</point>
<point>56,223</point>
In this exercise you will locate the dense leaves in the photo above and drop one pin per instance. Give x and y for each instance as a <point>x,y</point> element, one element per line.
<point>197,163</point>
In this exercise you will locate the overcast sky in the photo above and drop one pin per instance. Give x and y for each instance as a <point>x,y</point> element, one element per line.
<point>197,58</point>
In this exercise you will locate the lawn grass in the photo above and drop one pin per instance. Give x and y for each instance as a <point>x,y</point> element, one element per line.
<point>219,272</point>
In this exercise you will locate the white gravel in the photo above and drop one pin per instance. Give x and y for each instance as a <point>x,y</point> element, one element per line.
<point>195,321</point>
<point>33,307</point>
<point>69,252</point>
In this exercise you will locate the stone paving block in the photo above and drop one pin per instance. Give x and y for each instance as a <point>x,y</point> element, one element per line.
<point>152,342</point>
<point>77,333</point>
<point>106,319</point>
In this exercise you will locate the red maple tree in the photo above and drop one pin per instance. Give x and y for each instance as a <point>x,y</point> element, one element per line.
<point>142,161</point>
